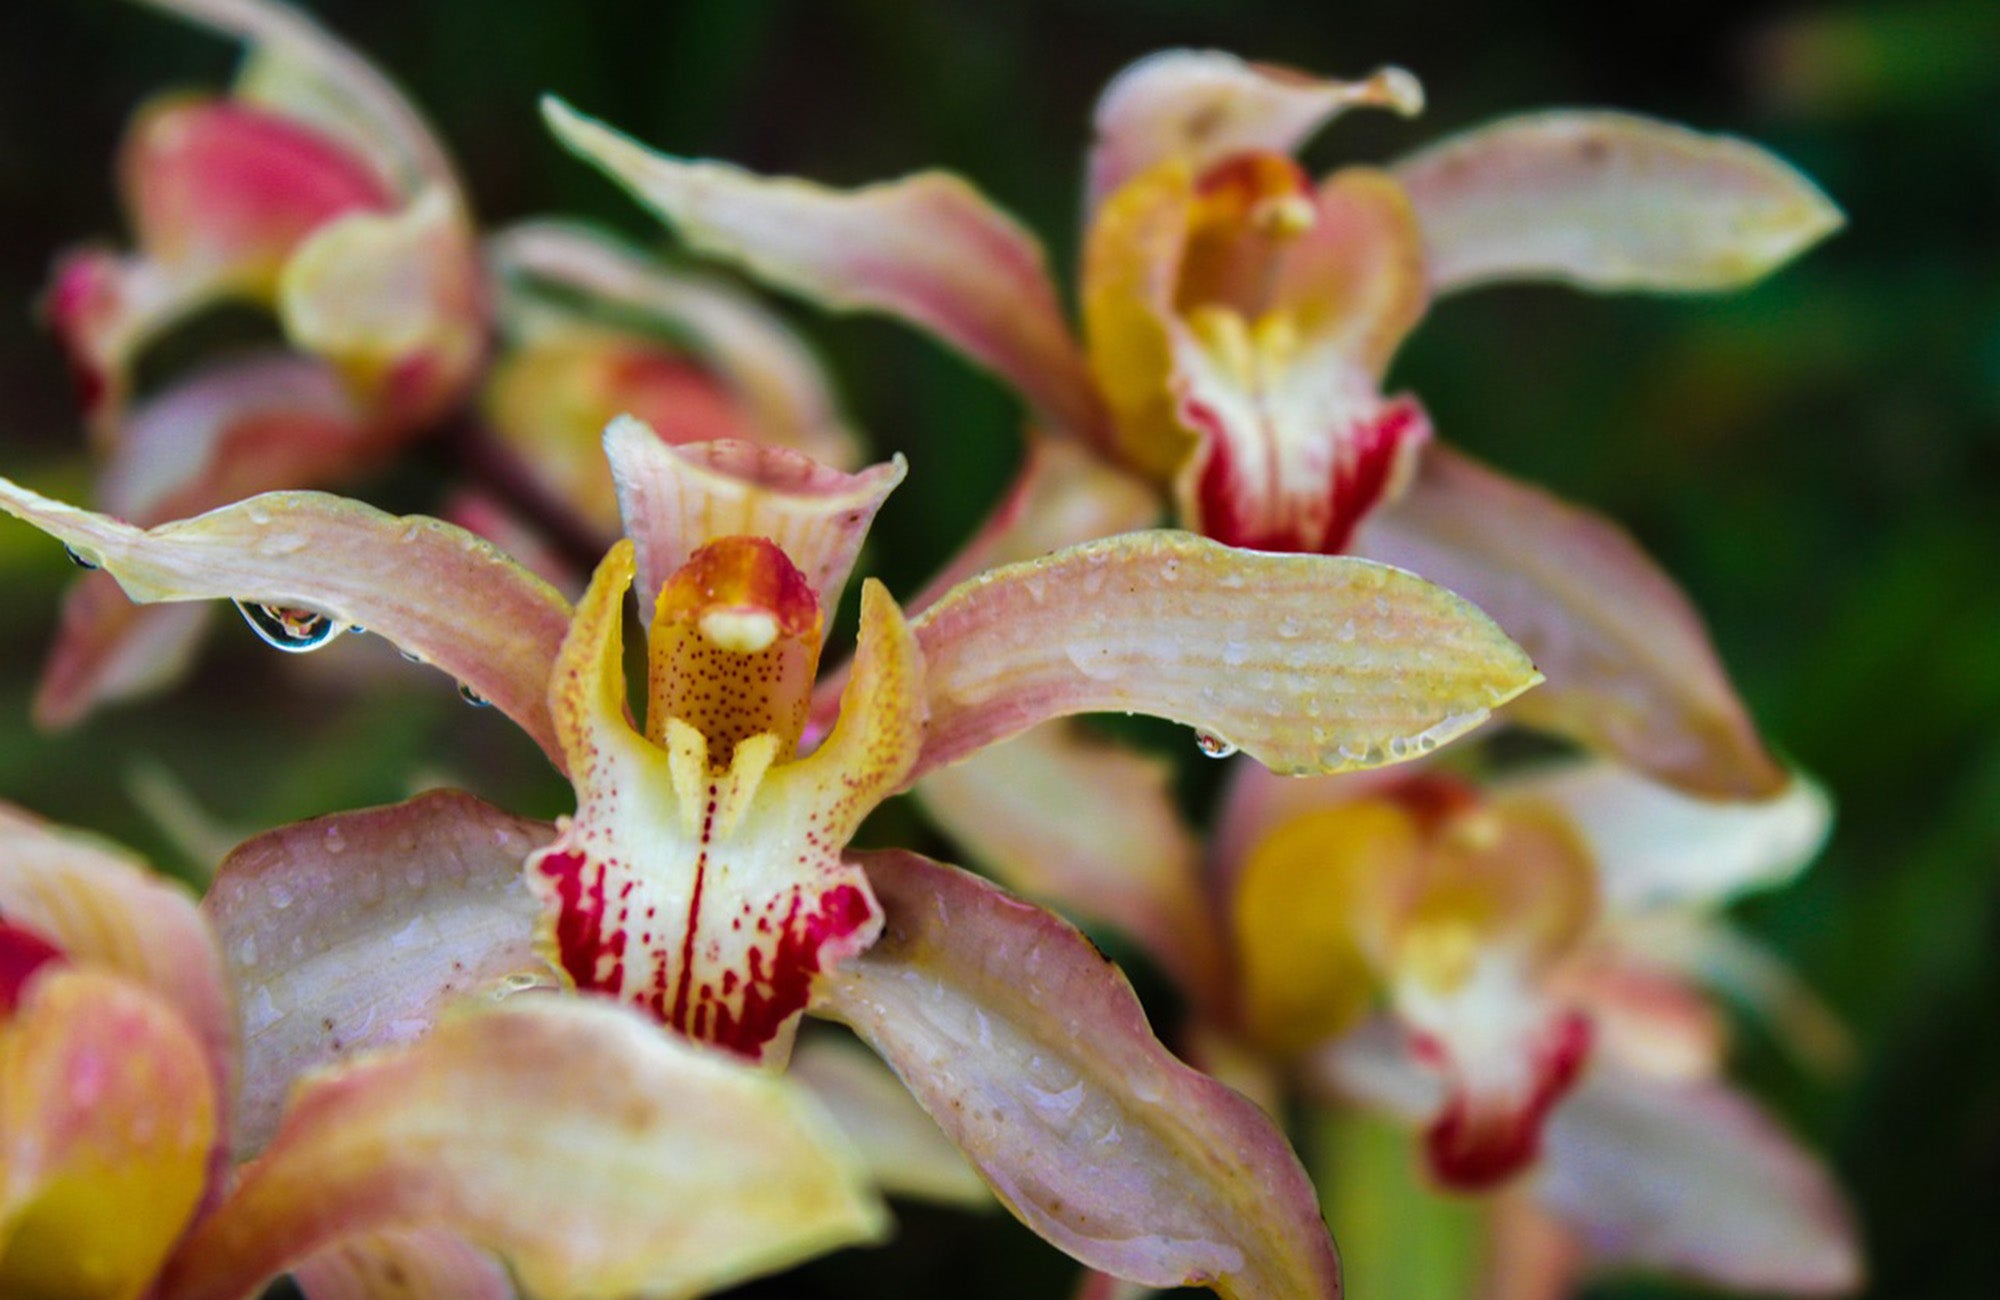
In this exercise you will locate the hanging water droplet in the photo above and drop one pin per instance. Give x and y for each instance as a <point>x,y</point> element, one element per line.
<point>294,631</point>
<point>355,629</point>
<point>81,559</point>
<point>1213,746</point>
<point>472,697</point>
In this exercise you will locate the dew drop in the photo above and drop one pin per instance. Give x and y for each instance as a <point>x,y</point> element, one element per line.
<point>294,631</point>
<point>1212,745</point>
<point>81,559</point>
<point>355,629</point>
<point>472,697</point>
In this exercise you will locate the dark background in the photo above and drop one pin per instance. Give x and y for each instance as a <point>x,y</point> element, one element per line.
<point>1815,460</point>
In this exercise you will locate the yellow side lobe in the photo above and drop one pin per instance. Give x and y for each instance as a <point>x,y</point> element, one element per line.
<point>1297,906</point>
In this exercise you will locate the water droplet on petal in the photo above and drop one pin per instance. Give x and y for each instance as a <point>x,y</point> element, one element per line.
<point>355,629</point>
<point>81,559</point>
<point>294,631</point>
<point>472,697</point>
<point>1212,745</point>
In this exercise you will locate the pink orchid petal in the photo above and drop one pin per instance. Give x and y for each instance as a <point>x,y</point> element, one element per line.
<point>296,68</point>
<point>223,189</point>
<point>357,930</point>
<point>1694,1178</point>
<point>1029,1048</point>
<point>1307,663</point>
<point>105,1135</point>
<point>1654,845</point>
<point>1093,828</point>
<point>1102,1286</point>
<point>928,249</point>
<point>249,424</point>
<point>742,342</point>
<point>417,1265</point>
<point>432,590</point>
<point>907,1153</point>
<point>104,907</point>
<point>678,499</point>
<point>1609,201</point>
<point>593,1154</point>
<point>1204,105</point>
<point>1631,670</point>
<point>107,649</point>
<point>1644,1015</point>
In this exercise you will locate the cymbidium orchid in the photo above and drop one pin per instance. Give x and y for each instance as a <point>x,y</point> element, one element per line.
<point>705,875</point>
<point>560,1145</point>
<point>312,189</point>
<point>1511,969</point>
<point>1238,319</point>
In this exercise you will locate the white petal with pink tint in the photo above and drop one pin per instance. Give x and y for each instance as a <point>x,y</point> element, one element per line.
<point>1308,663</point>
<point>1609,201</point>
<point>1204,105</point>
<point>678,499</point>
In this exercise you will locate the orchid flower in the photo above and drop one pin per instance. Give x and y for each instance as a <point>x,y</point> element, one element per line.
<point>562,1144</point>
<point>1237,321</point>
<point>705,876</point>
<point>1509,969</point>
<point>315,190</point>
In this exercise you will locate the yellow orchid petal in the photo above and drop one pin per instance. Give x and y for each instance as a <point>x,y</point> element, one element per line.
<point>105,908</point>
<point>1305,977</point>
<point>107,1120</point>
<point>1131,264</point>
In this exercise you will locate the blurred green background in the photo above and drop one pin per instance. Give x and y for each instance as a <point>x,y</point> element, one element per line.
<point>1815,460</point>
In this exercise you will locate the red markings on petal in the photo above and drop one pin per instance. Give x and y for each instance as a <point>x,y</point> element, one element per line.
<point>1481,1139</point>
<point>22,953</point>
<point>777,989</point>
<point>1254,496</point>
<point>589,953</point>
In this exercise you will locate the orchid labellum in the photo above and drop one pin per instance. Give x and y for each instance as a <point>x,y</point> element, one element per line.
<point>705,875</point>
<point>314,190</point>
<point>1238,319</point>
<point>560,1144</point>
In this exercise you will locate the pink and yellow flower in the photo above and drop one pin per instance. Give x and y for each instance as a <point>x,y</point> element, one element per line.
<point>1238,319</point>
<point>565,1145</point>
<point>705,875</point>
<point>315,191</point>
<point>1510,969</point>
